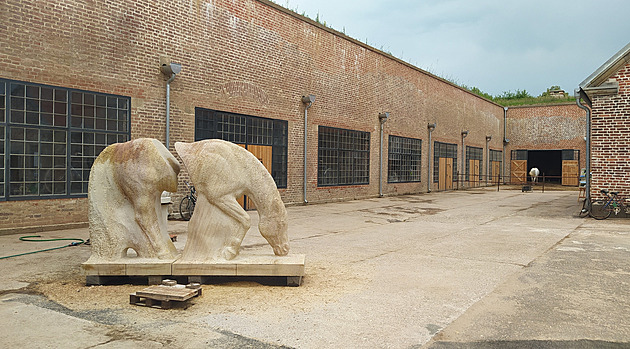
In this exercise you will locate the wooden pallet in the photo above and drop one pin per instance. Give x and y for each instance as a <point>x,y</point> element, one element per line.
<point>163,296</point>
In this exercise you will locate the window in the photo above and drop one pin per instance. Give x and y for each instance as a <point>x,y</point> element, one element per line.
<point>444,150</point>
<point>343,157</point>
<point>249,131</point>
<point>51,136</point>
<point>570,154</point>
<point>404,163</point>
<point>473,153</point>
<point>496,156</point>
<point>519,155</point>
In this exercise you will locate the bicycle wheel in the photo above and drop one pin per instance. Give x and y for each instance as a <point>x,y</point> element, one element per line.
<point>599,210</point>
<point>585,209</point>
<point>186,207</point>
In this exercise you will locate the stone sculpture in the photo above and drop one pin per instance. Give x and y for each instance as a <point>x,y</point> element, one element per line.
<point>222,172</point>
<point>126,182</point>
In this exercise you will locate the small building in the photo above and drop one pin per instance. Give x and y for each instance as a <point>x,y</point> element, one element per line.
<point>607,93</point>
<point>550,137</point>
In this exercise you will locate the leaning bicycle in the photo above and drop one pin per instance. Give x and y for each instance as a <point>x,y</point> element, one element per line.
<point>187,205</point>
<point>613,203</point>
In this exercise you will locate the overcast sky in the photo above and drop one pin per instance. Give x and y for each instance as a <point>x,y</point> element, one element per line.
<point>495,45</point>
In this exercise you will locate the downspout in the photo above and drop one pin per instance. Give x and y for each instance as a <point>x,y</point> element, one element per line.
<point>308,100</point>
<point>505,142</point>
<point>487,162</point>
<point>168,109</point>
<point>578,96</point>
<point>431,127</point>
<point>170,70</point>
<point>382,117</point>
<point>461,170</point>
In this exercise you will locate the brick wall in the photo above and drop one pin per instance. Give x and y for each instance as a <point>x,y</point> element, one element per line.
<point>546,127</point>
<point>610,141</point>
<point>250,57</point>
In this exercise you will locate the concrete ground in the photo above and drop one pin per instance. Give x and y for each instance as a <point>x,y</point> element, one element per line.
<point>462,269</point>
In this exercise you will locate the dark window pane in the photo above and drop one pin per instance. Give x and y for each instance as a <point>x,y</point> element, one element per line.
<point>47,93</point>
<point>17,90</point>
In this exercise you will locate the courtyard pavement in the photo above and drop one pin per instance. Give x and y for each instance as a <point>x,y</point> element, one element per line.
<point>461,269</point>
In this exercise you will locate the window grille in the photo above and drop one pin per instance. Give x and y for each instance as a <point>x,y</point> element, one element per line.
<point>473,153</point>
<point>247,130</point>
<point>51,136</point>
<point>404,159</point>
<point>444,150</point>
<point>343,157</point>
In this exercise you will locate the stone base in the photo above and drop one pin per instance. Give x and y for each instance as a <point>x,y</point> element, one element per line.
<point>287,270</point>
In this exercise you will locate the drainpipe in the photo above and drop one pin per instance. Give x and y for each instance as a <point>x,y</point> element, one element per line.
<point>578,96</point>
<point>505,141</point>
<point>170,70</point>
<point>308,100</point>
<point>382,117</point>
<point>488,139</point>
<point>431,127</point>
<point>461,169</point>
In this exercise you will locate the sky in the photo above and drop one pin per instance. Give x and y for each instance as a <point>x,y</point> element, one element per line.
<point>494,45</point>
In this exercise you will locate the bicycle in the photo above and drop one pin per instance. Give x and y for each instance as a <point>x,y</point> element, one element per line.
<point>603,208</point>
<point>187,205</point>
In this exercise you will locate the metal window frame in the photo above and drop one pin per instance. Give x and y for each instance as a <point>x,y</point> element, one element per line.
<point>350,149</point>
<point>400,161</point>
<point>10,125</point>
<point>450,151</point>
<point>250,130</point>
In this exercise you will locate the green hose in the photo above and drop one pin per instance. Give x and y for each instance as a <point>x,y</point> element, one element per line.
<point>29,238</point>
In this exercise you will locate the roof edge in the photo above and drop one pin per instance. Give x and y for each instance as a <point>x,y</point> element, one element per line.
<point>607,69</point>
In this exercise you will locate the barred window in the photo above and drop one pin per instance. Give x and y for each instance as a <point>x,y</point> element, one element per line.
<point>343,157</point>
<point>404,159</point>
<point>496,156</point>
<point>444,150</point>
<point>473,153</point>
<point>519,155</point>
<point>570,154</point>
<point>48,133</point>
<point>248,131</point>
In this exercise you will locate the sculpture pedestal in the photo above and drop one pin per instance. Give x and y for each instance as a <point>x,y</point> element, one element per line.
<point>287,270</point>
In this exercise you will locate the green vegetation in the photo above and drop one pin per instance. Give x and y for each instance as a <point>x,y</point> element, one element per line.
<point>522,97</point>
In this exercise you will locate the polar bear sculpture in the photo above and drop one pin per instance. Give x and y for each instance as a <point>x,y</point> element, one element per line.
<point>126,182</point>
<point>222,172</point>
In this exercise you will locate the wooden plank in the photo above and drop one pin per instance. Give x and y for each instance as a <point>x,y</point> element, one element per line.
<point>264,154</point>
<point>518,170</point>
<point>496,172</point>
<point>449,173</point>
<point>442,173</point>
<point>168,293</point>
<point>570,172</point>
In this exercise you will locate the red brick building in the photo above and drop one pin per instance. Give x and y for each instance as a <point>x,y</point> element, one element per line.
<point>77,75</point>
<point>607,93</point>
<point>551,138</point>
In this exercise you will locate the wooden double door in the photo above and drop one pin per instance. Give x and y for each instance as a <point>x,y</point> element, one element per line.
<point>264,154</point>
<point>445,174</point>
<point>473,172</point>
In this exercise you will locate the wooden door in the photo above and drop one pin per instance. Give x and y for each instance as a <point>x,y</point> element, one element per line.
<point>262,153</point>
<point>445,174</point>
<point>496,171</point>
<point>570,172</point>
<point>518,170</point>
<point>473,176</point>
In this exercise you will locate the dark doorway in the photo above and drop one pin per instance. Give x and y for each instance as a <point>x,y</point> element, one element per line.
<point>548,162</point>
